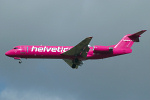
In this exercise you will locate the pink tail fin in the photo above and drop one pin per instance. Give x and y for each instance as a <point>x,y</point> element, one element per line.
<point>127,41</point>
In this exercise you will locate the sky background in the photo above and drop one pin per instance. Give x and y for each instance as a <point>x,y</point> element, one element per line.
<point>67,22</point>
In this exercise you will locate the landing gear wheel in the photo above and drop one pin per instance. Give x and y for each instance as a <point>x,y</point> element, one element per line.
<point>73,65</point>
<point>20,61</point>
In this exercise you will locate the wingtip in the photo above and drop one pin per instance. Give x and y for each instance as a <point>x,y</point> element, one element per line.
<point>90,37</point>
<point>144,30</point>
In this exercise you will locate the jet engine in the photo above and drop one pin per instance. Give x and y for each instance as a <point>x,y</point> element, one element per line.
<point>103,49</point>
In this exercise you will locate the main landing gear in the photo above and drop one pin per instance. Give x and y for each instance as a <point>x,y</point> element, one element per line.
<point>73,66</point>
<point>76,62</point>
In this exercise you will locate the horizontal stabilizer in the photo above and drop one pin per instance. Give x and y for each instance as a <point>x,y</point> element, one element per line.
<point>135,36</point>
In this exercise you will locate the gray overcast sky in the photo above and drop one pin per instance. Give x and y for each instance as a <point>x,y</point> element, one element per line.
<point>67,22</point>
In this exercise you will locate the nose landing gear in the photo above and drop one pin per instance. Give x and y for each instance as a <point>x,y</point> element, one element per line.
<point>20,61</point>
<point>17,58</point>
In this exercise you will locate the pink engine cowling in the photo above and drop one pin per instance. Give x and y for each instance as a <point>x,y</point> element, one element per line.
<point>102,49</point>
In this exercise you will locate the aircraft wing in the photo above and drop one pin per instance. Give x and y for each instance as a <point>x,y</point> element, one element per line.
<point>69,62</point>
<point>80,49</point>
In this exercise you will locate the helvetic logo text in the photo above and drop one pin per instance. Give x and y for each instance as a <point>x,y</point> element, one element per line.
<point>49,49</point>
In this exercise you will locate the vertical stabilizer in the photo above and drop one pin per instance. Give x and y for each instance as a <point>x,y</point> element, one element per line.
<point>127,41</point>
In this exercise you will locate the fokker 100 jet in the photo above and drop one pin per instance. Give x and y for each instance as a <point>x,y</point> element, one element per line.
<point>74,55</point>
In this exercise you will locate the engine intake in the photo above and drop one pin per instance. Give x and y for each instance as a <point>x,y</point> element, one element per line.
<point>102,49</point>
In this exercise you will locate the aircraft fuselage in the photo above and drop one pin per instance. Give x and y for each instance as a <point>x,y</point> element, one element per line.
<point>55,52</point>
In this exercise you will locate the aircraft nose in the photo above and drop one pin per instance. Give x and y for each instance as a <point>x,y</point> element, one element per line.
<point>7,53</point>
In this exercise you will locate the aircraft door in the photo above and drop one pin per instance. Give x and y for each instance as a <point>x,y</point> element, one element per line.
<point>23,49</point>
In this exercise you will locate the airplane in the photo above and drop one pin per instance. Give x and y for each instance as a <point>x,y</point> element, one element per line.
<point>74,55</point>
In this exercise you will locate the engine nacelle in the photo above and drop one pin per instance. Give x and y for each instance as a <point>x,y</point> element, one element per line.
<point>103,49</point>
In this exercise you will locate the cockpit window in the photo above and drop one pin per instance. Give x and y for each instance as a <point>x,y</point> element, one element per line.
<point>15,48</point>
